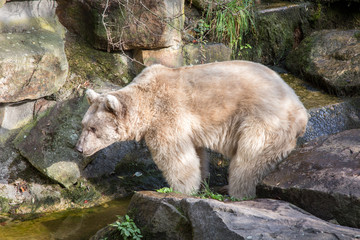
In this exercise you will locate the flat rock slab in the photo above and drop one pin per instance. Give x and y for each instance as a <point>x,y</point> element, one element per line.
<point>175,216</point>
<point>331,59</point>
<point>322,177</point>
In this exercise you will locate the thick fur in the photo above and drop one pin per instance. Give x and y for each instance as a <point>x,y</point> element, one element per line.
<point>241,109</point>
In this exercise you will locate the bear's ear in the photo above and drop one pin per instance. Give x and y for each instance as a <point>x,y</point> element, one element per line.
<point>112,104</point>
<point>91,96</point>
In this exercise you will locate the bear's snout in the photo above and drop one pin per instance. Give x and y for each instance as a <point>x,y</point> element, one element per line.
<point>79,148</point>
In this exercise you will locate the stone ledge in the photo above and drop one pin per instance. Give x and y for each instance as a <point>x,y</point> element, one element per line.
<point>175,216</point>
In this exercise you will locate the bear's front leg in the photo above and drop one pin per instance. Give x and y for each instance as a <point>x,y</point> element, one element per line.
<point>180,166</point>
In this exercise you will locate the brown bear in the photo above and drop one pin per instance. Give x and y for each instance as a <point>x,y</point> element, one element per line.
<point>241,109</point>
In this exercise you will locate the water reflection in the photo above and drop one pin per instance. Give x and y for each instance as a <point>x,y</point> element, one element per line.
<point>69,225</point>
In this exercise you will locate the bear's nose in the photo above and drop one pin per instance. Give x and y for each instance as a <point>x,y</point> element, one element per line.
<point>79,148</point>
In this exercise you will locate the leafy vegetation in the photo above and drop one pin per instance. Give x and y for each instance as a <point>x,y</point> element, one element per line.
<point>206,192</point>
<point>127,228</point>
<point>165,190</point>
<point>227,22</point>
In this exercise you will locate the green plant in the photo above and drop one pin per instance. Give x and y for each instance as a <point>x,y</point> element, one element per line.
<point>317,14</point>
<point>127,228</point>
<point>165,190</point>
<point>206,192</point>
<point>228,22</point>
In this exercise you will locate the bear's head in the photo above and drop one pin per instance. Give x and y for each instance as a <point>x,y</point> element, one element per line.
<point>103,124</point>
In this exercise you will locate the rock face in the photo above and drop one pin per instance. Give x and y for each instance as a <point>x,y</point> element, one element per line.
<point>278,30</point>
<point>32,59</point>
<point>174,216</point>
<point>132,25</point>
<point>331,59</point>
<point>197,54</point>
<point>170,57</point>
<point>323,177</point>
<point>49,143</point>
<point>15,116</point>
<point>332,119</point>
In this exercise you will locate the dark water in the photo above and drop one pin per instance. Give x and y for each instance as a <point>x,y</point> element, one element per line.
<point>67,225</point>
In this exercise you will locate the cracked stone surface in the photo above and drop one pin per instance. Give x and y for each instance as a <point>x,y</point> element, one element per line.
<point>322,177</point>
<point>33,63</point>
<point>176,216</point>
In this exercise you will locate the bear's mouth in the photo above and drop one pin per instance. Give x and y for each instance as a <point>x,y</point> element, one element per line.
<point>88,154</point>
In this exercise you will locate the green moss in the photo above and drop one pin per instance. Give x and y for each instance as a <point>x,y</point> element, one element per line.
<point>4,205</point>
<point>21,136</point>
<point>273,38</point>
<point>81,193</point>
<point>317,14</point>
<point>44,202</point>
<point>87,65</point>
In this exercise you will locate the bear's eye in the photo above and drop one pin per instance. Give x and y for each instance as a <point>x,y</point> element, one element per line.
<point>92,129</point>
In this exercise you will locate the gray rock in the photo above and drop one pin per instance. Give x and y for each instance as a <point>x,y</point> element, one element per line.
<point>132,24</point>
<point>346,2</point>
<point>278,30</point>
<point>15,116</point>
<point>49,143</point>
<point>105,161</point>
<point>33,63</point>
<point>200,54</point>
<point>22,16</point>
<point>331,119</point>
<point>322,177</point>
<point>175,216</point>
<point>12,164</point>
<point>170,57</point>
<point>203,4</point>
<point>330,59</point>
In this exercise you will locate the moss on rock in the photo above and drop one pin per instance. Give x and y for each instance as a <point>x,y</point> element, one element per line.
<point>4,205</point>
<point>89,67</point>
<point>275,32</point>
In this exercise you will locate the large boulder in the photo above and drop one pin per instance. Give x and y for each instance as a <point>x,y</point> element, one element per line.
<point>130,24</point>
<point>330,59</point>
<point>174,216</point>
<point>32,58</point>
<point>322,177</point>
<point>278,30</point>
<point>49,143</point>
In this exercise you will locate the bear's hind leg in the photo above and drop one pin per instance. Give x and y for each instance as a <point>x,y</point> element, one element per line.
<point>243,177</point>
<point>259,151</point>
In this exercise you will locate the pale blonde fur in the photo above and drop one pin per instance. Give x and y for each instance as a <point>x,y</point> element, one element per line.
<point>241,109</point>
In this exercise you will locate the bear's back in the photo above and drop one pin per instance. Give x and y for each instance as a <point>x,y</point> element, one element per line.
<point>218,90</point>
